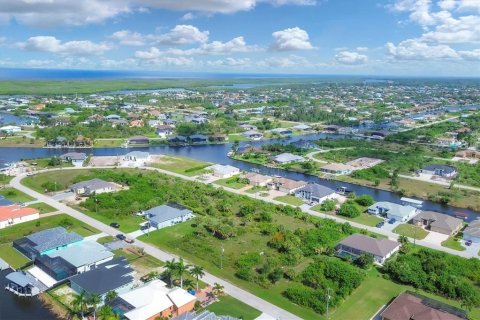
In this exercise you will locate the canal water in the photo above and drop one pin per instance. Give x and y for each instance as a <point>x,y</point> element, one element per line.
<point>18,308</point>
<point>217,153</point>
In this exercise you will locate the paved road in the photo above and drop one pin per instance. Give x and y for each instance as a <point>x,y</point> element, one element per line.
<point>230,288</point>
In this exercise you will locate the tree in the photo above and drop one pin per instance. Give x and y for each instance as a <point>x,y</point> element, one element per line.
<point>94,300</point>
<point>349,209</point>
<point>80,303</point>
<point>235,145</point>
<point>365,260</point>
<point>106,313</point>
<point>328,205</point>
<point>364,200</point>
<point>180,269</point>
<point>218,289</point>
<point>170,270</point>
<point>197,272</point>
<point>111,295</point>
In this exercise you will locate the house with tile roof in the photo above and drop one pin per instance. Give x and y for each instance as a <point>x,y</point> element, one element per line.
<point>13,214</point>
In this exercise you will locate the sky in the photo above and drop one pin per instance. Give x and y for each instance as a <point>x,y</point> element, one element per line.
<point>366,37</point>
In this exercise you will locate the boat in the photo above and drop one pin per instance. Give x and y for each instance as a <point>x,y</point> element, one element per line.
<point>343,190</point>
<point>460,215</point>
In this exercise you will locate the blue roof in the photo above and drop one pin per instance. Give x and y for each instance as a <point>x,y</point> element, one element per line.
<point>18,278</point>
<point>167,212</point>
<point>53,238</point>
<point>5,202</point>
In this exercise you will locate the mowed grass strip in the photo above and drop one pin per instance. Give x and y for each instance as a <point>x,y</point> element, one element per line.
<point>180,165</point>
<point>288,199</point>
<point>233,308</point>
<point>11,256</point>
<point>411,231</point>
<point>15,195</point>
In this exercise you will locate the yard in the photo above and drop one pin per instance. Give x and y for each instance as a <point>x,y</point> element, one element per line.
<point>234,308</point>
<point>128,223</point>
<point>233,182</point>
<point>44,163</point>
<point>364,218</point>
<point>20,230</point>
<point>15,195</point>
<point>184,166</point>
<point>108,143</point>
<point>106,239</point>
<point>42,207</point>
<point>62,178</point>
<point>289,199</point>
<point>411,231</point>
<point>11,256</point>
<point>454,242</point>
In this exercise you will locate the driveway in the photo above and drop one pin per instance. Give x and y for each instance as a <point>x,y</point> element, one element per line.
<point>118,244</point>
<point>138,233</point>
<point>473,249</point>
<point>63,196</point>
<point>435,237</point>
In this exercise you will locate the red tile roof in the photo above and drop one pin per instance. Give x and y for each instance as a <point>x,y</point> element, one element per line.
<point>15,211</point>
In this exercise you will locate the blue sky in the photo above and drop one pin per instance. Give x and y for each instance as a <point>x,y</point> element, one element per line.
<point>385,37</point>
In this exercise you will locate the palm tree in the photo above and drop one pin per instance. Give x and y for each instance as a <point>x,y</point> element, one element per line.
<point>80,303</point>
<point>94,300</point>
<point>180,269</point>
<point>111,295</point>
<point>197,272</point>
<point>217,289</point>
<point>170,267</point>
<point>106,313</point>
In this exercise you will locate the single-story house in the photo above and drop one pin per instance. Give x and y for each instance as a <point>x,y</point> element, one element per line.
<point>177,140</point>
<point>164,131</point>
<point>440,170</point>
<point>337,168</point>
<point>198,138</point>
<point>248,127</point>
<point>154,300</point>
<point>218,137</point>
<point>92,186</point>
<point>154,123</point>
<point>199,120</point>
<point>45,241</point>
<point>302,127</point>
<point>13,214</point>
<point>10,129</point>
<point>472,231</point>
<point>357,244</point>
<point>468,154</point>
<point>413,306</point>
<point>399,212</point>
<point>286,185</point>
<point>282,131</point>
<point>20,284</point>
<point>224,171</point>
<point>138,140</point>
<point>253,135</point>
<point>76,158</point>
<point>314,192</point>
<point>168,215</point>
<point>139,157</point>
<point>258,180</point>
<point>438,222</point>
<point>285,158</point>
<point>116,275</point>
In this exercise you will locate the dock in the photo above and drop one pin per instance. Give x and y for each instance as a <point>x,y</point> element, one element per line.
<point>3,265</point>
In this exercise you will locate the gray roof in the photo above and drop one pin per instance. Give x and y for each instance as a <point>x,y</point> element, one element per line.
<point>106,277</point>
<point>167,212</point>
<point>473,228</point>
<point>439,220</point>
<point>445,168</point>
<point>393,208</point>
<point>74,156</point>
<point>53,238</point>
<point>19,278</point>
<point>138,154</point>
<point>287,157</point>
<point>83,253</point>
<point>94,184</point>
<point>317,190</point>
<point>378,247</point>
<point>251,133</point>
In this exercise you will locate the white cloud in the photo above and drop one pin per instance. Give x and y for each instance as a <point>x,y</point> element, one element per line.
<point>70,48</point>
<point>231,62</point>
<point>414,49</point>
<point>350,58</point>
<point>188,16</point>
<point>285,62</point>
<point>118,64</point>
<point>473,55</point>
<point>71,12</point>
<point>237,44</point>
<point>183,34</point>
<point>465,29</point>
<point>291,39</point>
<point>34,63</point>
<point>128,38</point>
<point>419,10</point>
<point>362,49</point>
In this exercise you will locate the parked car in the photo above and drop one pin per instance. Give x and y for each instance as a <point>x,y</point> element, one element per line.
<point>115,225</point>
<point>392,221</point>
<point>380,224</point>
<point>120,236</point>
<point>468,243</point>
<point>129,240</point>
<point>145,227</point>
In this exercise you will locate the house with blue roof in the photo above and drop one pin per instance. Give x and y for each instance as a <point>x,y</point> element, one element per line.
<point>168,215</point>
<point>399,212</point>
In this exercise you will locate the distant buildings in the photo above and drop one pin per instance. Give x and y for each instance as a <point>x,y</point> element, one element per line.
<point>253,135</point>
<point>138,140</point>
<point>224,171</point>
<point>75,158</point>
<point>10,129</point>
<point>285,158</point>
<point>258,180</point>
<point>472,232</point>
<point>440,170</point>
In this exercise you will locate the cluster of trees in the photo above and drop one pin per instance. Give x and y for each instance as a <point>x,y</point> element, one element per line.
<point>354,206</point>
<point>325,278</point>
<point>88,303</point>
<point>180,269</point>
<point>315,114</point>
<point>281,148</point>
<point>439,273</point>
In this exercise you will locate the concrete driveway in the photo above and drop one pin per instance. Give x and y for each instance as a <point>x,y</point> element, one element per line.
<point>138,233</point>
<point>63,196</point>
<point>118,244</point>
<point>473,249</point>
<point>435,237</point>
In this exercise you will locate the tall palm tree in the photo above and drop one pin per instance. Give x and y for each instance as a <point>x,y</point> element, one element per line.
<point>180,269</point>
<point>80,303</point>
<point>94,300</point>
<point>106,313</point>
<point>197,272</point>
<point>111,295</point>
<point>170,267</point>
<point>217,289</point>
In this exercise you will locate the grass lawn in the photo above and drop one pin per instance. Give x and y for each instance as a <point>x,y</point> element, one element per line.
<point>63,179</point>
<point>453,243</point>
<point>288,199</point>
<point>230,183</point>
<point>23,229</point>
<point>105,239</point>
<point>15,195</point>
<point>43,163</point>
<point>257,189</point>
<point>409,231</point>
<point>128,223</point>
<point>234,308</point>
<point>108,143</point>
<point>373,293</point>
<point>133,256</point>
<point>363,218</point>
<point>42,207</point>
<point>4,179</point>
<point>183,166</point>
<point>17,141</point>
<point>11,256</point>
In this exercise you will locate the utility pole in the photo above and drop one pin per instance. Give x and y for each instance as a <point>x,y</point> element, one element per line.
<point>414,235</point>
<point>221,257</point>
<point>328,302</point>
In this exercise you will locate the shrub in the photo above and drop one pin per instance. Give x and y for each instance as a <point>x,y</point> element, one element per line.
<point>349,209</point>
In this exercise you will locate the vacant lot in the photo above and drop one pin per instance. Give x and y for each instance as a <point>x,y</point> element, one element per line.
<point>183,166</point>
<point>15,195</point>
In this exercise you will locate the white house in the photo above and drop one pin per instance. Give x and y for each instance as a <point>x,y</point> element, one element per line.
<point>285,158</point>
<point>224,171</point>
<point>314,192</point>
<point>10,129</point>
<point>356,244</point>
<point>167,215</point>
<point>13,214</point>
<point>92,186</point>
<point>137,158</point>
<point>402,213</point>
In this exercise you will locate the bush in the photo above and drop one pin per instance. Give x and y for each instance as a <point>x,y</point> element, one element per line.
<point>365,200</point>
<point>328,205</point>
<point>349,209</point>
